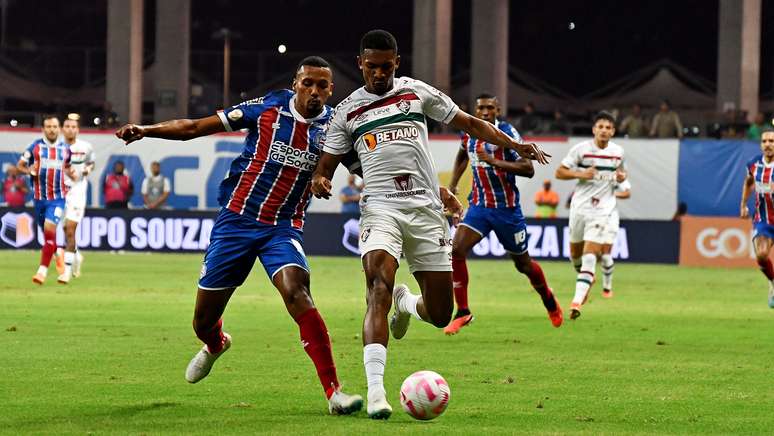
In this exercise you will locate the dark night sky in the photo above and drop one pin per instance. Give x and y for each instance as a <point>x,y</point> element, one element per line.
<point>611,38</point>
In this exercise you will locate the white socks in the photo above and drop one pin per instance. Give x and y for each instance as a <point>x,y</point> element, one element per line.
<point>409,304</point>
<point>374,359</point>
<point>607,271</point>
<point>585,277</point>
<point>43,270</point>
<point>69,258</point>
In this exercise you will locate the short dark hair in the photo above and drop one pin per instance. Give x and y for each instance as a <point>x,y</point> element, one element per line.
<point>767,129</point>
<point>47,117</point>
<point>485,95</point>
<point>378,40</point>
<point>604,115</point>
<point>313,61</point>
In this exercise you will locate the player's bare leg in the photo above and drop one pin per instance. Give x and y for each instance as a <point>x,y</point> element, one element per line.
<point>591,251</point>
<point>464,240</point>
<point>380,268</point>
<point>69,253</point>
<point>608,266</point>
<point>531,269</point>
<point>576,252</point>
<point>292,283</point>
<point>762,249</point>
<point>208,326</point>
<point>46,252</point>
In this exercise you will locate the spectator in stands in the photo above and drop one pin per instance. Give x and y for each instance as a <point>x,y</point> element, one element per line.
<point>756,128</point>
<point>155,188</point>
<point>558,124</point>
<point>15,187</point>
<point>546,201</point>
<point>634,125</point>
<point>350,196</point>
<point>666,123</point>
<point>529,122</point>
<point>117,188</point>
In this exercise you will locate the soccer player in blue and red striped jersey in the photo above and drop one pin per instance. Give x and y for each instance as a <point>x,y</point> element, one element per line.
<point>47,160</point>
<point>494,206</point>
<point>760,178</point>
<point>263,202</point>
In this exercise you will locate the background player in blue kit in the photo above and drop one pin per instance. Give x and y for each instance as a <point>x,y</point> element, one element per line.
<point>46,160</point>
<point>263,203</point>
<point>760,178</point>
<point>494,205</point>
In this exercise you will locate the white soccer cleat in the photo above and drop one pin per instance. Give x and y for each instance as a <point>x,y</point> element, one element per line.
<point>77,264</point>
<point>64,278</point>
<point>202,362</point>
<point>379,408</point>
<point>399,321</point>
<point>344,404</point>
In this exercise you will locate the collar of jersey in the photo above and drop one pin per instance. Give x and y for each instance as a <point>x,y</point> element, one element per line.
<point>300,117</point>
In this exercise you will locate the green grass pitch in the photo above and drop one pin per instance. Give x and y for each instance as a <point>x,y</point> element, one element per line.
<point>677,351</point>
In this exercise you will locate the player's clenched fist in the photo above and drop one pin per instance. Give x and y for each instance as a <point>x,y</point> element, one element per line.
<point>130,133</point>
<point>321,187</point>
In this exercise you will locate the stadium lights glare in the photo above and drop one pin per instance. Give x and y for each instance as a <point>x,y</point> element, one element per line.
<point>282,48</point>
<point>96,121</point>
<point>14,122</point>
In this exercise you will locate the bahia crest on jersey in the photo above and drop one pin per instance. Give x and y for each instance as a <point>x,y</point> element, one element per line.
<point>270,180</point>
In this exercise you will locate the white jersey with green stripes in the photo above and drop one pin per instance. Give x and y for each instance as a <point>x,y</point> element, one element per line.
<point>596,196</point>
<point>389,134</point>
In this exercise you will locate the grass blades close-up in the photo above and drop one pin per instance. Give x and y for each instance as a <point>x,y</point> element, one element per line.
<point>676,351</point>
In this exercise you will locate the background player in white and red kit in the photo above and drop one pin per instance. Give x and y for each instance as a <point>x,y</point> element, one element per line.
<point>622,191</point>
<point>598,164</point>
<point>494,206</point>
<point>759,178</point>
<point>401,205</point>
<point>263,206</point>
<point>81,165</point>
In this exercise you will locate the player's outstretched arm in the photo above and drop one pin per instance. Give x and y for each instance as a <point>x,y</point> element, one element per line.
<point>564,173</point>
<point>321,179</point>
<point>747,188</point>
<point>490,133</point>
<point>181,130</point>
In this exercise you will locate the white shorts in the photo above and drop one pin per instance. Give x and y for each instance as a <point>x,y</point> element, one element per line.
<point>75,207</point>
<point>421,234</point>
<point>601,229</point>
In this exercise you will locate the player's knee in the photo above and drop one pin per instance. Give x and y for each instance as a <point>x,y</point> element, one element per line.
<point>379,296</point>
<point>458,252</point>
<point>761,256</point>
<point>298,297</point>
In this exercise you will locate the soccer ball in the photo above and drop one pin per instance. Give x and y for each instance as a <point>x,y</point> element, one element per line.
<point>424,395</point>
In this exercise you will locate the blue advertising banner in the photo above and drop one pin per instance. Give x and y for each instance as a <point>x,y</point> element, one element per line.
<point>324,234</point>
<point>710,175</point>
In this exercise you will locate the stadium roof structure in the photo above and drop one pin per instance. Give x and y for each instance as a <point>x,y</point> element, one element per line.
<point>653,83</point>
<point>522,88</point>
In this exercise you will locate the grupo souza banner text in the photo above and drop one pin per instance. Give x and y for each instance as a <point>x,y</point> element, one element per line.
<point>324,234</point>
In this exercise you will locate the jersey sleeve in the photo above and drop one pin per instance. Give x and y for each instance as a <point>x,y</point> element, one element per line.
<point>573,158</point>
<point>245,115</point>
<point>166,184</point>
<point>27,156</point>
<point>337,139</point>
<point>435,104</point>
<point>510,154</point>
<point>351,161</point>
<point>751,165</point>
<point>623,186</point>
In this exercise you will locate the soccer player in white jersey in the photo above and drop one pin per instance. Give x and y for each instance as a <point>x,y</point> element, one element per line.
<point>82,164</point>
<point>401,206</point>
<point>598,164</point>
<point>622,191</point>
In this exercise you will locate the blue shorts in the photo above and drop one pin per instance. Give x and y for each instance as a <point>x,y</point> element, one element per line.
<point>49,210</point>
<point>507,223</point>
<point>235,243</point>
<point>763,229</point>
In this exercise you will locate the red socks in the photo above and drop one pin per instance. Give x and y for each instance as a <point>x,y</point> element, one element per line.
<point>766,268</point>
<point>213,337</point>
<point>538,281</point>
<point>460,277</point>
<point>317,344</point>
<point>49,247</point>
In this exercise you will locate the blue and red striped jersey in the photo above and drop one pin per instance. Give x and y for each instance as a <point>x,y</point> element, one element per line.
<point>764,185</point>
<point>271,180</point>
<point>47,162</point>
<point>492,187</point>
